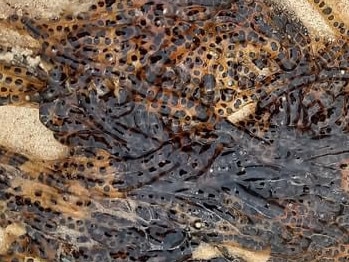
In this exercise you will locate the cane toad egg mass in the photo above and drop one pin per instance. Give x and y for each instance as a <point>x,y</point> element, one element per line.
<point>198,130</point>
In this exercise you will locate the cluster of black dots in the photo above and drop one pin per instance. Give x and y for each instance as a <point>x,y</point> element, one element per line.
<point>146,94</point>
<point>19,86</point>
<point>327,11</point>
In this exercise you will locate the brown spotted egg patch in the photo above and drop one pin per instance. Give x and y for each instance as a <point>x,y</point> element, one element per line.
<point>198,131</point>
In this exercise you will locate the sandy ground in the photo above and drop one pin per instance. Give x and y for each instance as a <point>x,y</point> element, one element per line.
<point>308,15</point>
<point>20,128</point>
<point>315,17</point>
<point>22,131</point>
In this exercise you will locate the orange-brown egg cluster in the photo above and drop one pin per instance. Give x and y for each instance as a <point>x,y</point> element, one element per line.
<point>190,123</point>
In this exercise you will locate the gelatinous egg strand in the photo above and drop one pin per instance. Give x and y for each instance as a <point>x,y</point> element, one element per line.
<point>215,126</point>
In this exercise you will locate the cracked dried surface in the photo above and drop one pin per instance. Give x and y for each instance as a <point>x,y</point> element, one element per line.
<point>201,131</point>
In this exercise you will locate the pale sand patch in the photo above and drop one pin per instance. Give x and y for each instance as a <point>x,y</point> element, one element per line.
<point>42,8</point>
<point>207,251</point>
<point>22,131</point>
<point>345,176</point>
<point>341,8</point>
<point>20,128</point>
<point>36,8</point>
<point>242,113</point>
<point>8,36</point>
<point>9,234</point>
<point>308,15</point>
